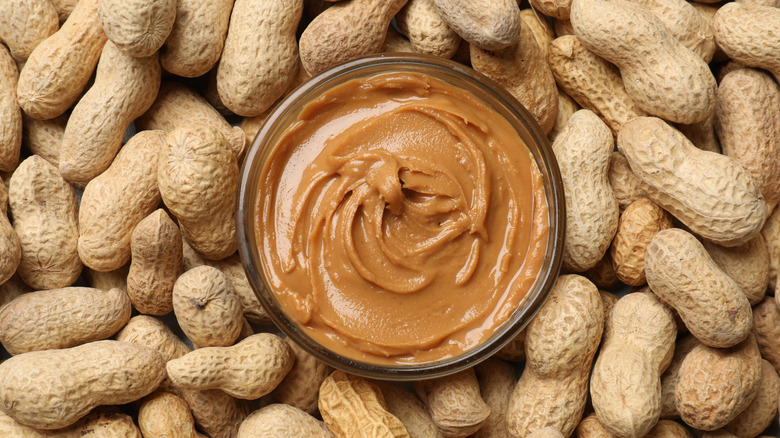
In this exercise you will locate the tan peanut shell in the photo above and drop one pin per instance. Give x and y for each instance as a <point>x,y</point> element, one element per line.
<point>45,211</point>
<point>114,202</point>
<point>553,8</point>
<point>345,31</point>
<point>602,274</point>
<point>721,203</point>
<point>639,222</point>
<point>156,263</point>
<point>98,373</point>
<point>496,382</point>
<point>542,29</point>
<point>547,432</point>
<point>583,149</point>
<point>677,86</point>
<point>514,350</point>
<point>151,332</point>
<point>108,279</point>
<point>717,384</point>
<point>300,387</point>
<point>198,35</point>
<point>763,410</point>
<point>670,377</point>
<point>178,104</point>
<point>701,134</point>
<point>354,406</point>
<point>454,403</point>
<point>394,42</point>
<point>197,175</point>
<point>10,248</point>
<point>749,34</point>
<point>625,184</point>
<point>207,307</point>
<point>487,24</point>
<point>559,346</point>
<point>771,233</point>
<point>10,114</point>
<point>710,303</point>
<point>44,137</point>
<point>163,414</point>
<point>64,8</point>
<point>60,67</point>
<point>637,347</point>
<point>12,289</point>
<point>124,88</point>
<point>590,427</point>
<point>138,28</point>
<point>280,420</point>
<point>426,29</point>
<point>62,318</point>
<point>591,81</point>
<point>25,23</point>
<point>101,422</point>
<point>523,71</point>
<point>747,120</point>
<point>217,414</point>
<point>408,408</point>
<point>566,108</point>
<point>260,56</point>
<point>747,265</point>
<point>766,329</point>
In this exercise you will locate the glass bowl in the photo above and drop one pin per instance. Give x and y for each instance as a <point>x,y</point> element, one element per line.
<point>286,114</point>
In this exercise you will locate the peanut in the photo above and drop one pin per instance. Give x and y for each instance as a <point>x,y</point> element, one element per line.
<point>60,67</point>
<point>514,350</point>
<point>25,23</point>
<point>115,202</point>
<point>749,34</point>
<point>44,211</point>
<point>582,150</point>
<point>763,410</point>
<point>10,248</point>
<point>408,408</point>
<point>487,24</point>
<point>354,406</point>
<point>156,248</point>
<point>166,415</point>
<point>747,265</point>
<point>638,346</point>
<point>722,203</point>
<point>559,347</point>
<point>454,403</point>
<point>394,43</point>
<point>426,29</point>
<point>766,329</point>
<point>98,373</point>
<point>12,289</point>
<point>279,420</point>
<point>677,86</point>
<point>300,387</point>
<point>64,8</point>
<point>603,273</point>
<point>124,88</point>
<point>671,376</point>
<point>216,413</point>
<point>716,384</point>
<point>566,108</point>
<point>101,422</point>
<point>11,134</point>
<point>149,331</point>
<point>702,134</point>
<point>553,8</point>
<point>44,137</point>
<point>82,315</point>
<point>138,28</point>
<point>195,42</point>
<point>625,184</point>
<point>547,432</point>
<point>496,382</point>
<point>541,28</point>
<point>590,427</point>
<point>771,233</point>
<point>260,56</point>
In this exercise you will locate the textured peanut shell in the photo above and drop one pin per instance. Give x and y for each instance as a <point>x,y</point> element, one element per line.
<point>637,347</point>
<point>195,42</point>
<point>542,29</point>
<point>591,81</point>
<point>602,274</point>
<point>454,403</point>
<point>124,88</point>
<point>156,263</point>
<point>101,422</point>
<point>559,346</point>
<point>522,70</point>
<point>36,390</point>
<point>345,31</point>
<point>547,432</point>
<point>496,382</point>
<point>207,307</point>
<point>566,107</point>
<point>394,43</point>
<point>300,387</point>
<point>138,28</point>
<point>771,233</point>
<point>639,222</point>
<point>260,56</point>
<point>45,211</point>
<point>710,303</point>
<point>514,350</point>
<point>62,318</point>
<point>747,120</point>
<point>677,85</point>
<point>747,264</point>
<point>197,174</point>
<point>10,114</point>
<point>44,137</point>
<point>12,289</point>
<point>64,8</point>
<point>114,202</point>
<point>150,332</point>
<point>487,24</point>
<point>108,279</point>
<point>670,377</point>
<point>553,8</point>
<point>10,248</point>
<point>279,420</point>
<point>178,104</point>
<point>354,406</point>
<point>625,184</point>
<point>711,194</point>
<point>217,414</point>
<point>583,149</point>
<point>763,410</point>
<point>60,67</point>
<point>25,23</point>
<point>749,34</point>
<point>701,134</point>
<point>717,384</point>
<point>427,31</point>
<point>248,370</point>
<point>766,329</point>
<point>165,415</point>
<point>408,408</point>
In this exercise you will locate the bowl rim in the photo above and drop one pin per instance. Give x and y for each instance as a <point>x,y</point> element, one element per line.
<point>518,319</point>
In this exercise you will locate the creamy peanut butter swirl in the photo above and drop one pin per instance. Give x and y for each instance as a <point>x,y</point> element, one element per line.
<point>401,219</point>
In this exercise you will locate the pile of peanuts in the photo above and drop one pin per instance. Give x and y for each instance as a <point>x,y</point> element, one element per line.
<point>664,117</point>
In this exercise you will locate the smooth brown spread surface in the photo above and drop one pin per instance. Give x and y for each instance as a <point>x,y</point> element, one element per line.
<point>400,220</point>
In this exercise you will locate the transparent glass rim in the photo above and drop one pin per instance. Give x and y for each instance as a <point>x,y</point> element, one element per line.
<point>535,140</point>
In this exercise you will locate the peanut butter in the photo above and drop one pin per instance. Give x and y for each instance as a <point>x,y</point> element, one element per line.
<point>400,219</point>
